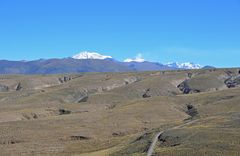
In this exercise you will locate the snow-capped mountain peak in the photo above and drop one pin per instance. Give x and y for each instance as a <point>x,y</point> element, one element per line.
<point>90,55</point>
<point>186,65</point>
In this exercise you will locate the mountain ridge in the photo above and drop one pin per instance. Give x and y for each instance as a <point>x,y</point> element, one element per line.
<point>186,65</point>
<point>86,62</point>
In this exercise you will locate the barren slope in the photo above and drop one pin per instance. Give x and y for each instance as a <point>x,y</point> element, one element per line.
<point>119,113</point>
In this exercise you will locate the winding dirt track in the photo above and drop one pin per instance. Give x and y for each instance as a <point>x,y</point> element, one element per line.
<point>155,139</point>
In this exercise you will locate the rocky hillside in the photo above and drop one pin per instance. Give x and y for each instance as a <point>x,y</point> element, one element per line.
<point>118,114</point>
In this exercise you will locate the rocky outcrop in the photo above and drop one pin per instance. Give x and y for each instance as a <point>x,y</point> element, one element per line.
<point>111,87</point>
<point>117,134</point>
<point>147,93</point>
<point>229,73</point>
<point>83,98</point>
<point>64,112</point>
<point>18,87</point>
<point>169,141</point>
<point>232,82</point>
<point>131,80</point>
<point>107,77</point>
<point>29,116</point>
<point>191,110</point>
<point>3,88</point>
<point>189,75</point>
<point>77,97</point>
<point>184,87</point>
<point>110,106</point>
<point>83,95</point>
<point>124,82</point>
<point>79,137</point>
<point>10,142</point>
<point>65,79</point>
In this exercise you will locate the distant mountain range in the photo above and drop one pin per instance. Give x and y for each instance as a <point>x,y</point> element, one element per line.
<point>86,62</point>
<point>186,65</point>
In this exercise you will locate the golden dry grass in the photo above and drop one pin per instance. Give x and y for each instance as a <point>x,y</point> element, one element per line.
<point>116,115</point>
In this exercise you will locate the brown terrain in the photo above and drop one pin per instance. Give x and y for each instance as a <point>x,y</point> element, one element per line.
<point>118,114</point>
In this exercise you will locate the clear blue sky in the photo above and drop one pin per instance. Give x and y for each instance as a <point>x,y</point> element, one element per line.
<point>200,31</point>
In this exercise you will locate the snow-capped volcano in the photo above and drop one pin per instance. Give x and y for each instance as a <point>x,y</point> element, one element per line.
<point>186,65</point>
<point>138,59</point>
<point>90,55</point>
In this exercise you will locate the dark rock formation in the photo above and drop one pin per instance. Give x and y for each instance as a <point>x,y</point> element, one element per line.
<point>191,110</point>
<point>79,137</point>
<point>145,136</point>
<point>169,141</point>
<point>147,94</point>
<point>64,112</point>
<point>184,87</point>
<point>9,142</point>
<point>189,75</point>
<point>233,82</point>
<point>83,98</point>
<point>60,80</point>
<point>18,87</point>
<point>34,116</point>
<point>229,73</point>
<point>65,79</point>
<point>3,88</point>
<point>110,106</point>
<point>116,134</point>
